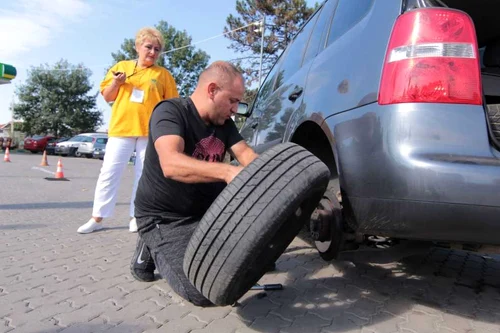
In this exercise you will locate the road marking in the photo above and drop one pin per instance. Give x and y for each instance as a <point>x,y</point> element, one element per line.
<point>41,169</point>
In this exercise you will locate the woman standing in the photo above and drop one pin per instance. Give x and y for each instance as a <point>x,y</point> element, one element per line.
<point>135,87</point>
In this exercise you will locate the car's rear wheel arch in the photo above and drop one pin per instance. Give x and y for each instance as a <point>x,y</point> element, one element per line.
<point>311,136</point>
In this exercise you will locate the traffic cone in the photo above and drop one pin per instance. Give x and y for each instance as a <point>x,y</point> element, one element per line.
<point>44,159</point>
<point>59,173</point>
<point>6,157</point>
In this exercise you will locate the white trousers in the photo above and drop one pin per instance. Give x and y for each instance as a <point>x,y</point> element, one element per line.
<point>118,152</point>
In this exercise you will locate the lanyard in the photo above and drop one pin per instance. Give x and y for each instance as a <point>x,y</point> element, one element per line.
<point>135,67</point>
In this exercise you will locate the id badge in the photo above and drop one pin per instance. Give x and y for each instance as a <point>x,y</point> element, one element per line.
<point>137,96</point>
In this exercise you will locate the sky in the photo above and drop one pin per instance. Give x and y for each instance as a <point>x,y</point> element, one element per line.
<point>35,32</point>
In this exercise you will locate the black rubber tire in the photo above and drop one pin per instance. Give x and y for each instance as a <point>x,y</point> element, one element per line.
<point>253,221</point>
<point>494,119</point>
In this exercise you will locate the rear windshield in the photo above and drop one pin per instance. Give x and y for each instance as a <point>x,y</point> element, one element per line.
<point>37,137</point>
<point>102,140</point>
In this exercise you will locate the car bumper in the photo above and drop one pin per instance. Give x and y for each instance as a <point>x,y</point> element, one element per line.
<point>32,148</point>
<point>420,171</point>
<point>63,150</point>
<point>98,154</point>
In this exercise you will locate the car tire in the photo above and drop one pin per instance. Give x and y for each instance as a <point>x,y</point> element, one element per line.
<point>253,220</point>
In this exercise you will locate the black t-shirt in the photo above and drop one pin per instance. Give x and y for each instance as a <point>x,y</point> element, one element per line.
<point>163,197</point>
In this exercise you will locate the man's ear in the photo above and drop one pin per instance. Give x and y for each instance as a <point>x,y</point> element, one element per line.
<point>212,90</point>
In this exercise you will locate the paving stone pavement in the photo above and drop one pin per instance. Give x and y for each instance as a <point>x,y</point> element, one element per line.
<point>55,280</point>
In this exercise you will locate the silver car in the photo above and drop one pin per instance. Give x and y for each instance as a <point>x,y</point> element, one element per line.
<point>72,146</point>
<point>100,148</point>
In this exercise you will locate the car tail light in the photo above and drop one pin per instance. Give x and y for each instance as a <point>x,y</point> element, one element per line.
<point>432,57</point>
<point>93,140</point>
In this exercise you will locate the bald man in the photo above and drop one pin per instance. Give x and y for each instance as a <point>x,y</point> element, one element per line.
<point>183,173</point>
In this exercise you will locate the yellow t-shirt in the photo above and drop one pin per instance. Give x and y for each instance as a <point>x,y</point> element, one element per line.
<point>132,109</point>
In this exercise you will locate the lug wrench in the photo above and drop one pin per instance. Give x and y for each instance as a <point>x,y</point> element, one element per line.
<point>277,286</point>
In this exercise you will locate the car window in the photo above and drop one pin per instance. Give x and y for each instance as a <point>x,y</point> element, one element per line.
<point>267,87</point>
<point>37,137</point>
<point>295,52</point>
<point>78,138</point>
<point>87,139</point>
<point>102,140</point>
<point>318,35</point>
<point>347,15</point>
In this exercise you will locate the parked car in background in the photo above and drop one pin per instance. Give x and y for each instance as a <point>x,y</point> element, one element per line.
<point>100,148</point>
<point>86,147</point>
<point>38,143</point>
<point>392,97</point>
<point>72,145</point>
<point>51,146</point>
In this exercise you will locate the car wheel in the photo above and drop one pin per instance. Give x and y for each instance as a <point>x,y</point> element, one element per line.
<point>326,226</point>
<point>253,220</point>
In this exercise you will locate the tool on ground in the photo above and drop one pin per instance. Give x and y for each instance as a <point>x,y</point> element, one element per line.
<point>277,286</point>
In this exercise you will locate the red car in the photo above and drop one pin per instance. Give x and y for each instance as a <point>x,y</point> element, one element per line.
<point>37,143</point>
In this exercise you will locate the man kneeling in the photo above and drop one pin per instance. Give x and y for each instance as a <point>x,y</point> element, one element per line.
<point>183,173</point>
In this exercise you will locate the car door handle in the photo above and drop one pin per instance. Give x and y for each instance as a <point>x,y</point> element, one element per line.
<point>295,94</point>
<point>254,125</point>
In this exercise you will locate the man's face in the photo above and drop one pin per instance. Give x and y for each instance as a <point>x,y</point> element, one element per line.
<point>226,101</point>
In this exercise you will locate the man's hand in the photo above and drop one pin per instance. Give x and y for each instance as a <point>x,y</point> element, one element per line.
<point>233,172</point>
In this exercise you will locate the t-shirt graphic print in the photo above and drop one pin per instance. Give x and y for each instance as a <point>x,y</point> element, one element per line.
<point>210,149</point>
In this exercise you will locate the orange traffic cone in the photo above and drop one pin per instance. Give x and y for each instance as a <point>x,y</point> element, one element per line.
<point>59,172</point>
<point>6,157</point>
<point>44,159</point>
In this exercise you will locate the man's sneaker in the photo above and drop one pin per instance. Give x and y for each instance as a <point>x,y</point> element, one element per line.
<point>132,226</point>
<point>90,226</point>
<point>142,266</point>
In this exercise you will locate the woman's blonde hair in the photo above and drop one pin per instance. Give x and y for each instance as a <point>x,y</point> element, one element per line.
<point>151,34</point>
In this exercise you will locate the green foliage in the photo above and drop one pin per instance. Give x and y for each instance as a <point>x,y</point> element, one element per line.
<point>283,19</point>
<point>55,99</point>
<point>185,64</point>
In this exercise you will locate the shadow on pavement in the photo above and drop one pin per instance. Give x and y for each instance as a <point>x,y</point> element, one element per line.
<point>52,205</point>
<point>408,286</point>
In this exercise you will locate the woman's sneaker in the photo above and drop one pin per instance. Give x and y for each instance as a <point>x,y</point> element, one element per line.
<point>132,226</point>
<point>142,266</point>
<point>90,226</point>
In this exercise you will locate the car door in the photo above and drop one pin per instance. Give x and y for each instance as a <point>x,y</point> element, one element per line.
<point>250,128</point>
<point>289,86</point>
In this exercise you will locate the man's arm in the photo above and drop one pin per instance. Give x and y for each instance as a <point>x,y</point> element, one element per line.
<point>180,167</point>
<point>243,153</point>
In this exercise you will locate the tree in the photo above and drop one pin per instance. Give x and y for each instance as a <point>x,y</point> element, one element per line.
<point>185,63</point>
<point>283,19</point>
<point>55,99</point>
